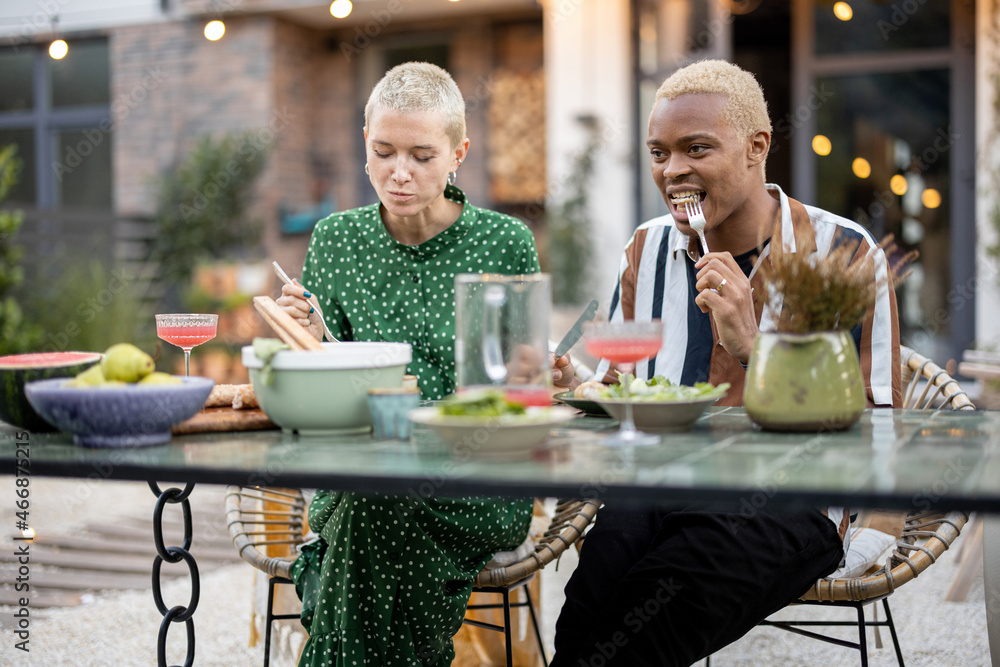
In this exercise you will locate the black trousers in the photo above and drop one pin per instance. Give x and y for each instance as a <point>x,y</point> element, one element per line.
<point>669,587</point>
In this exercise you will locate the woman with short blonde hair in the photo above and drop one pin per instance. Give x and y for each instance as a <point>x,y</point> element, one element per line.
<point>388,580</point>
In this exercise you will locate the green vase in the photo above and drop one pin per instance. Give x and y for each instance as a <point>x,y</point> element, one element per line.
<point>804,382</point>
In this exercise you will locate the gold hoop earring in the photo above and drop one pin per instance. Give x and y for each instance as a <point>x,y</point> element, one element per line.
<point>366,169</point>
<point>452,177</point>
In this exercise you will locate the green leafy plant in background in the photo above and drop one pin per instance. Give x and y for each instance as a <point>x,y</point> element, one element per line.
<point>92,307</point>
<point>202,205</point>
<point>569,247</point>
<point>197,300</point>
<point>16,333</point>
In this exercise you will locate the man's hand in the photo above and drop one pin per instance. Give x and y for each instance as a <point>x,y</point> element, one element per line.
<point>724,291</point>
<point>563,373</point>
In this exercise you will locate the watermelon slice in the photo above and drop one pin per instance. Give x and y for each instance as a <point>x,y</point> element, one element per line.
<point>18,369</point>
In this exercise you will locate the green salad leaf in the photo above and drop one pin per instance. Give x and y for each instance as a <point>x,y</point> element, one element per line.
<point>479,403</point>
<point>265,349</point>
<point>661,390</point>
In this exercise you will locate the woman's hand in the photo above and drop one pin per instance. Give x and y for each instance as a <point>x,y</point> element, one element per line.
<point>725,291</point>
<point>298,303</point>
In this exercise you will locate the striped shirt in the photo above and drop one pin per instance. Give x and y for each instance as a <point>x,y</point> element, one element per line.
<point>657,280</point>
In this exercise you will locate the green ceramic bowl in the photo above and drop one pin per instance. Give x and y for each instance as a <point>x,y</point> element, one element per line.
<point>326,392</point>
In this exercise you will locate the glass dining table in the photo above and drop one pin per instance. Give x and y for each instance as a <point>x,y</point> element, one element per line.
<point>894,459</point>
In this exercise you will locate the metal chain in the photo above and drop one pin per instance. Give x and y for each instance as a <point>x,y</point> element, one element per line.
<point>174,554</point>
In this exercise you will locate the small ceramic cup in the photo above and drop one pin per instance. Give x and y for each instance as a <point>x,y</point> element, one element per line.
<point>390,407</point>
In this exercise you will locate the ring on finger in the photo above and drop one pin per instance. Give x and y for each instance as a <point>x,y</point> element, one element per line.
<point>721,285</point>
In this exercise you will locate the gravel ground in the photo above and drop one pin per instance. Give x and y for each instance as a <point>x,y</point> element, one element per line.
<point>120,628</point>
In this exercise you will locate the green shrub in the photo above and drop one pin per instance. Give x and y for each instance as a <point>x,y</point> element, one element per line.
<point>569,243</point>
<point>202,204</point>
<point>16,333</point>
<point>91,307</point>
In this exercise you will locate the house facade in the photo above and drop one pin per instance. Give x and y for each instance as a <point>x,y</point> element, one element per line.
<point>882,111</point>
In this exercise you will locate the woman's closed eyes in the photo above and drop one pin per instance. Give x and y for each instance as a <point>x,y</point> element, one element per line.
<point>418,158</point>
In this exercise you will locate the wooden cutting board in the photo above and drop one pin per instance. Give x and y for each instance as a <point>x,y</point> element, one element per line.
<point>214,420</point>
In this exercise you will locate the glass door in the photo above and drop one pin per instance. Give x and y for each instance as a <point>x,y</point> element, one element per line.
<point>884,108</point>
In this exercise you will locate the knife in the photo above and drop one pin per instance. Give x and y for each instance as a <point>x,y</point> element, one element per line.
<point>576,330</point>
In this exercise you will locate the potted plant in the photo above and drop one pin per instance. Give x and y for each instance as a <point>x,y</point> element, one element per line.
<point>806,375</point>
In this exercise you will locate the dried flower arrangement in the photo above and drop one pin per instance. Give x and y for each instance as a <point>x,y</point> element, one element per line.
<point>827,293</point>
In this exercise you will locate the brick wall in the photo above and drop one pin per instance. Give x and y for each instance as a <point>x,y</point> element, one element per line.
<point>295,88</point>
<point>170,86</point>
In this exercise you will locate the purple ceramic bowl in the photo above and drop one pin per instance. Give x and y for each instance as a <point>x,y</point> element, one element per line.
<point>129,416</point>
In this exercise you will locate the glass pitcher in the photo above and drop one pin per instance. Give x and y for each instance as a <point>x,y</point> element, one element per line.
<point>502,335</point>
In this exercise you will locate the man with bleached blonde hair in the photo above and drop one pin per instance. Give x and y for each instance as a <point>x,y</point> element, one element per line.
<point>745,109</point>
<point>669,586</point>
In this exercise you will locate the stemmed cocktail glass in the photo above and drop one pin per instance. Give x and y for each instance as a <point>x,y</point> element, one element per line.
<point>625,342</point>
<point>186,330</point>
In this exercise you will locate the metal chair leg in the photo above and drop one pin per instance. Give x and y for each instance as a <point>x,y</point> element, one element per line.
<point>534,622</point>
<point>507,639</point>
<point>862,636</point>
<point>506,604</point>
<point>892,632</point>
<point>268,619</point>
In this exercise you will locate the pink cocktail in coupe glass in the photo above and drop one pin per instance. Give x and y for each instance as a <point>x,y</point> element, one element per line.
<point>625,342</point>
<point>186,330</point>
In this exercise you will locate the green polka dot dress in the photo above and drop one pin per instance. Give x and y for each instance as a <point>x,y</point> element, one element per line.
<point>372,287</point>
<point>388,581</point>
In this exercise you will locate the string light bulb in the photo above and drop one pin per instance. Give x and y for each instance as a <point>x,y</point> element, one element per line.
<point>843,11</point>
<point>931,198</point>
<point>341,9</point>
<point>898,185</point>
<point>214,30</point>
<point>822,145</point>
<point>861,167</point>
<point>58,49</point>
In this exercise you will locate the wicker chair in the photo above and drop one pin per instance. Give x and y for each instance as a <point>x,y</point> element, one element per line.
<point>569,521</point>
<point>926,535</point>
<point>927,385</point>
<point>262,517</point>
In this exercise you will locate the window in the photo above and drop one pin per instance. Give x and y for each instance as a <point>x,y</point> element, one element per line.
<point>889,95</point>
<point>57,114</point>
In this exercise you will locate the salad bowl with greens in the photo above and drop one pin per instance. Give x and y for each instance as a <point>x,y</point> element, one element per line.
<point>484,424</point>
<point>660,405</point>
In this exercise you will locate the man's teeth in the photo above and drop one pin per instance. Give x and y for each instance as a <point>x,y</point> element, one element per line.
<point>684,197</point>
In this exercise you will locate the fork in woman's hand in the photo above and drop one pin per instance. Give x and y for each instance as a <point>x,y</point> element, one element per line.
<point>696,220</point>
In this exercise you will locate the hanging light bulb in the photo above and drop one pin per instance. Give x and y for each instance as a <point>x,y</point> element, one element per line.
<point>843,11</point>
<point>341,9</point>
<point>898,185</point>
<point>861,167</point>
<point>214,30</point>
<point>822,145</point>
<point>931,198</point>
<point>58,49</point>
